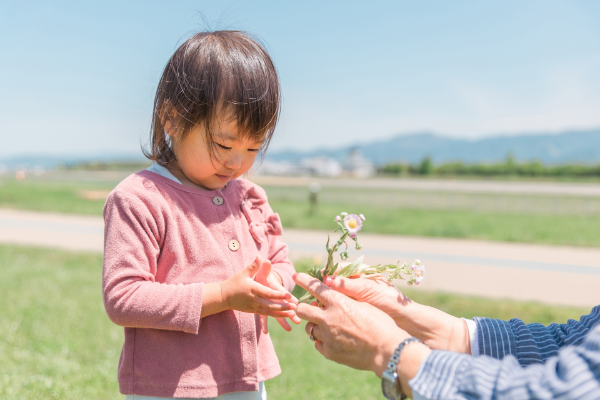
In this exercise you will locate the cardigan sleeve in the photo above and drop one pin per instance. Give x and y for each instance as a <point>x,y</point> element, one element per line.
<point>574,373</point>
<point>531,343</point>
<point>278,254</point>
<point>132,297</point>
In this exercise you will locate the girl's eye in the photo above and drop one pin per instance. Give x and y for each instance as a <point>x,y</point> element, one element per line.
<point>254,150</point>
<point>223,147</point>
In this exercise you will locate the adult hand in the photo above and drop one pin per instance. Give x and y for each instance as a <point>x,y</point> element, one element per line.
<point>348,332</point>
<point>377,293</point>
<point>436,328</point>
<point>269,278</point>
<point>357,334</point>
<point>242,293</point>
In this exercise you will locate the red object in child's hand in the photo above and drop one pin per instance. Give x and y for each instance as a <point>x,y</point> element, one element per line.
<point>267,277</point>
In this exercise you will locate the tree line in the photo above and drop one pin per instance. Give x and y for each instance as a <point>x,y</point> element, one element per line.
<point>509,167</point>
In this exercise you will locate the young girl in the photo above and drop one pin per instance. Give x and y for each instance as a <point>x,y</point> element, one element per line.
<point>193,260</point>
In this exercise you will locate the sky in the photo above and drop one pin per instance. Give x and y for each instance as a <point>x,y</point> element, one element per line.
<point>78,78</point>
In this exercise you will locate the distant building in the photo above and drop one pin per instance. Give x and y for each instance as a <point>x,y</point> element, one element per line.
<point>359,166</point>
<point>278,168</point>
<point>322,166</point>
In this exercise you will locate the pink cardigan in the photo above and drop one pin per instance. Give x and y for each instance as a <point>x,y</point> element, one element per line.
<point>163,240</point>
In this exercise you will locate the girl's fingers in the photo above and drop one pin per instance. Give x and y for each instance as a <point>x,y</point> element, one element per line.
<point>263,272</point>
<point>277,286</point>
<point>268,293</point>
<point>295,319</point>
<point>284,324</point>
<point>275,305</point>
<point>264,324</point>
<point>253,268</point>
<point>275,314</point>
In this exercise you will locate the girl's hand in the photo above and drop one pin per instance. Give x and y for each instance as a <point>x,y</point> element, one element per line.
<point>242,293</point>
<point>271,279</point>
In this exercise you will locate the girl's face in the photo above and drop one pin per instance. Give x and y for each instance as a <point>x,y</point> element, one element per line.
<point>233,156</point>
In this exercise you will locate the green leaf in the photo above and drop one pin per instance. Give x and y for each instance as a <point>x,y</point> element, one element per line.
<point>335,267</point>
<point>351,269</point>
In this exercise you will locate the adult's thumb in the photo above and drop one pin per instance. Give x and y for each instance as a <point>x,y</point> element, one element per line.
<point>346,286</point>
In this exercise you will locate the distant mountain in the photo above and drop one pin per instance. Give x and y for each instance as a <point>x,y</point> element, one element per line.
<point>50,161</point>
<point>568,147</point>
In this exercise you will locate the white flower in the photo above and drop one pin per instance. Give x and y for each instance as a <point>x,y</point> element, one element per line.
<point>343,214</point>
<point>353,224</point>
<point>362,217</point>
<point>419,274</point>
<point>338,219</point>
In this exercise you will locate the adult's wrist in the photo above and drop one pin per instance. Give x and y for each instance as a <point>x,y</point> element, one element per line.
<point>385,350</point>
<point>436,328</point>
<point>408,366</point>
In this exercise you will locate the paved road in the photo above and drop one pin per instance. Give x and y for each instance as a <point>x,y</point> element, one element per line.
<point>549,274</point>
<point>443,185</point>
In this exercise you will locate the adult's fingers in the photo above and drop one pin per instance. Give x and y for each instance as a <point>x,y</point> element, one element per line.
<point>349,287</point>
<point>310,313</point>
<point>320,346</point>
<point>314,287</point>
<point>308,327</point>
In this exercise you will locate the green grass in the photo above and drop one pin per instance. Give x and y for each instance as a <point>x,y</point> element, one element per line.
<point>61,196</point>
<point>57,343</point>
<point>549,229</point>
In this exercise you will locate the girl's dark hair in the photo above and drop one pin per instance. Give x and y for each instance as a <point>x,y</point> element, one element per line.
<point>221,74</point>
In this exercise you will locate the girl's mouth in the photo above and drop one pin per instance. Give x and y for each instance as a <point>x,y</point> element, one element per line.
<point>224,178</point>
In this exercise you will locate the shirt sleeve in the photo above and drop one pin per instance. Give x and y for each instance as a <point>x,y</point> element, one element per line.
<point>573,373</point>
<point>473,336</point>
<point>278,254</point>
<point>132,297</point>
<point>531,343</point>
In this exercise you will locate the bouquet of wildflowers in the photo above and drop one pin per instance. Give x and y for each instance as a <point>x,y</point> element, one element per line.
<point>350,225</point>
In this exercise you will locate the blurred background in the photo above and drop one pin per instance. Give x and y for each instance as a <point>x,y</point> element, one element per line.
<point>468,133</point>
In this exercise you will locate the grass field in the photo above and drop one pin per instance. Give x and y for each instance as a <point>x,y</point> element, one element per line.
<point>551,229</point>
<point>57,343</point>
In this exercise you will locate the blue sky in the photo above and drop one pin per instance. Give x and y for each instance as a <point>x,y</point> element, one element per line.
<point>79,77</point>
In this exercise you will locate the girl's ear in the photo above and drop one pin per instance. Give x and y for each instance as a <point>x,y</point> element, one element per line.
<point>168,118</point>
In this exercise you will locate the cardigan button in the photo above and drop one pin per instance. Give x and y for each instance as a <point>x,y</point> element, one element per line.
<point>234,245</point>
<point>217,200</point>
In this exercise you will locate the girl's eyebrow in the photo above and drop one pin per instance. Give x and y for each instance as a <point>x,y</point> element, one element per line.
<point>234,138</point>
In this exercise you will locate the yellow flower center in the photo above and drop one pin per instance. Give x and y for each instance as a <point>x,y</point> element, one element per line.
<point>352,223</point>
<point>418,273</point>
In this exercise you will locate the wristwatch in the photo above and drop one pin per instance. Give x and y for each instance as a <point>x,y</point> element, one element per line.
<point>389,379</point>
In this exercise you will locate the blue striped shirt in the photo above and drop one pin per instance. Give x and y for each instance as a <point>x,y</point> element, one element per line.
<point>518,361</point>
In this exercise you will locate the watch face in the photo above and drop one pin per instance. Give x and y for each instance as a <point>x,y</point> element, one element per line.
<point>388,385</point>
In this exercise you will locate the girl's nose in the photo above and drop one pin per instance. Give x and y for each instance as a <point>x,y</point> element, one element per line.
<point>233,162</point>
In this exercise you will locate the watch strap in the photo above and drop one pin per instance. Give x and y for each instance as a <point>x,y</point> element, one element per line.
<point>389,378</point>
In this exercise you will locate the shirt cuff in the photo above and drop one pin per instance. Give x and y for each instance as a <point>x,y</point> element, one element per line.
<point>473,336</point>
